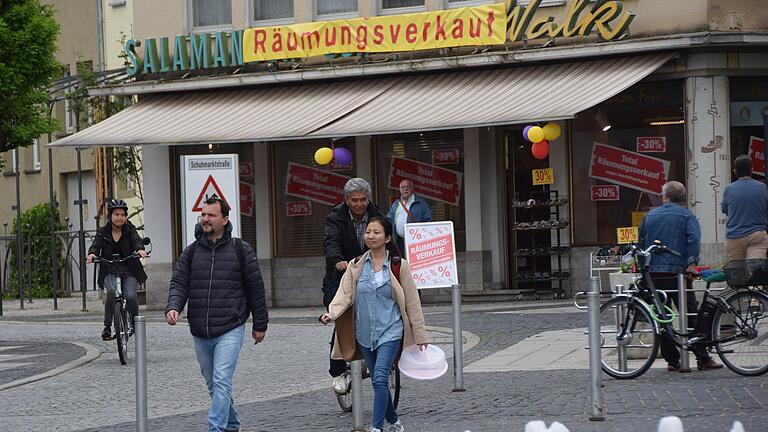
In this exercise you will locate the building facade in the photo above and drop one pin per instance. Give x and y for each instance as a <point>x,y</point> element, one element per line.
<point>642,91</point>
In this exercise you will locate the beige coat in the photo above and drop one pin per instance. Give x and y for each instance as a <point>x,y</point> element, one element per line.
<point>406,296</point>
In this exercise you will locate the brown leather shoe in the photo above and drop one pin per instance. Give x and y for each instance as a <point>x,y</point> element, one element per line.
<point>709,364</point>
<point>673,367</point>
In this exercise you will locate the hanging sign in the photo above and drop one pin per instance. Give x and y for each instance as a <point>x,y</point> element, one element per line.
<point>431,252</point>
<point>627,235</point>
<point>757,154</point>
<point>605,193</point>
<point>246,199</point>
<point>430,181</point>
<point>298,208</point>
<point>652,144</point>
<point>203,177</point>
<point>445,157</point>
<point>246,169</point>
<point>627,168</point>
<point>315,184</point>
<point>543,176</point>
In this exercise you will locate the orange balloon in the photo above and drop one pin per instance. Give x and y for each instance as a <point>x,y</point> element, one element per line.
<point>540,149</point>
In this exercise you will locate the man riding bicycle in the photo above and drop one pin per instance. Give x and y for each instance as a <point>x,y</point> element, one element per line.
<point>118,236</point>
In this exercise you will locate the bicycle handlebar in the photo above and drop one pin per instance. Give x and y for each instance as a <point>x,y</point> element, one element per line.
<point>98,259</point>
<point>656,247</point>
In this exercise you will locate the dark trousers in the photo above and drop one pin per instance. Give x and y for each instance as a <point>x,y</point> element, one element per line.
<point>337,367</point>
<point>668,281</point>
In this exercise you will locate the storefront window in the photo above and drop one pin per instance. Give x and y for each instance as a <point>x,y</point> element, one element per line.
<point>749,99</point>
<point>442,154</point>
<point>304,192</point>
<point>620,151</point>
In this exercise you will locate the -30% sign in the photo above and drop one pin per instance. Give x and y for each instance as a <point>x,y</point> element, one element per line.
<point>543,176</point>
<point>627,235</point>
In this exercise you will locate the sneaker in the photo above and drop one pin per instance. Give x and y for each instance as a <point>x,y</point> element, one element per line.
<point>341,383</point>
<point>673,367</point>
<point>396,427</point>
<point>106,334</point>
<point>709,364</point>
<point>373,429</point>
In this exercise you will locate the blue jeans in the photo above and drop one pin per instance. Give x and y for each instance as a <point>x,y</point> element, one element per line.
<point>217,358</point>
<point>380,363</point>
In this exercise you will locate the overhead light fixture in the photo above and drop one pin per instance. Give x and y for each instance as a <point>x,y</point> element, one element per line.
<point>601,118</point>
<point>666,122</point>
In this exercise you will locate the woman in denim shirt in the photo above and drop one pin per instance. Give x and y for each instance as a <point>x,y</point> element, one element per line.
<point>387,316</point>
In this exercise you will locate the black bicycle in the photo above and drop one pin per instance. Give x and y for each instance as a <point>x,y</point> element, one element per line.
<point>345,400</point>
<point>122,318</point>
<point>630,325</point>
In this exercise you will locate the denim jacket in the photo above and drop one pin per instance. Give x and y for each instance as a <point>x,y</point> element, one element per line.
<point>377,315</point>
<point>678,229</point>
<point>419,211</point>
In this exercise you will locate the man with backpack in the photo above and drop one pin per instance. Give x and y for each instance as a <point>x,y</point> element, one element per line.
<point>219,280</point>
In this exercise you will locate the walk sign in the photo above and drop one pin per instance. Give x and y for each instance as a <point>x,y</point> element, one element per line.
<point>210,190</point>
<point>203,177</point>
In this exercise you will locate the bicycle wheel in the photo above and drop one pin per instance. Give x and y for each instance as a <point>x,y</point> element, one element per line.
<point>741,333</point>
<point>394,385</point>
<point>121,331</point>
<point>345,401</point>
<point>633,354</point>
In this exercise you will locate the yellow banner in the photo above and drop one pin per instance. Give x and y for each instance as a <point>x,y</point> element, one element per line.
<point>472,26</point>
<point>543,176</point>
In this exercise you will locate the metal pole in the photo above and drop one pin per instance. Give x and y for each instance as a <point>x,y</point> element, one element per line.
<point>81,233</point>
<point>458,340</point>
<point>30,252</point>
<point>622,351</point>
<point>52,197</point>
<point>595,373</point>
<point>1,282</point>
<point>357,395</point>
<point>19,245</point>
<point>682,309</point>
<point>140,325</point>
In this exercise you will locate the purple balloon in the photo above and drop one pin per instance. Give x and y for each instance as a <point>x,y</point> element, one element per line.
<point>342,156</point>
<point>525,132</point>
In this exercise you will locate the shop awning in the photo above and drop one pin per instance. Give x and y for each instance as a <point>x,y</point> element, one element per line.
<point>408,103</point>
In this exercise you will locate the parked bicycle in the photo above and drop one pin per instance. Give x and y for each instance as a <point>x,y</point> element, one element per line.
<point>345,400</point>
<point>630,325</point>
<point>122,318</point>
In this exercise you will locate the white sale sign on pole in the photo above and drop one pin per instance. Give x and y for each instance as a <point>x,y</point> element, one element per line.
<point>205,176</point>
<point>431,253</point>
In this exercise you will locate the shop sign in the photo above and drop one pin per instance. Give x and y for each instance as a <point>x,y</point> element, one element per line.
<point>203,177</point>
<point>543,176</point>
<point>246,169</point>
<point>430,181</point>
<point>314,184</point>
<point>445,157</point>
<point>637,217</point>
<point>652,144</point>
<point>605,193</point>
<point>335,166</point>
<point>246,199</point>
<point>747,113</point>
<point>627,235</point>
<point>757,154</point>
<point>431,253</point>
<point>298,208</point>
<point>484,25</point>
<point>627,168</point>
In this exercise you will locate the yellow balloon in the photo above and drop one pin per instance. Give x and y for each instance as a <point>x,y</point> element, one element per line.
<point>551,131</point>
<point>323,156</point>
<point>535,134</point>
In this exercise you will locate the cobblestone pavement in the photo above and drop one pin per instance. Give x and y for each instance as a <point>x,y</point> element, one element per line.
<point>283,384</point>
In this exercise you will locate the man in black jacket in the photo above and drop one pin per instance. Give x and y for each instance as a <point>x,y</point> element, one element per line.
<point>344,240</point>
<point>221,286</point>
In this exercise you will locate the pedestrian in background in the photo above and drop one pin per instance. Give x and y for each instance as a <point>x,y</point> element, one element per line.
<point>409,208</point>
<point>219,280</point>
<point>386,316</point>
<point>745,202</point>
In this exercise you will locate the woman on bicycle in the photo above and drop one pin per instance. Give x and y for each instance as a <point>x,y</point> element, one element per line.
<point>119,237</point>
<point>387,316</point>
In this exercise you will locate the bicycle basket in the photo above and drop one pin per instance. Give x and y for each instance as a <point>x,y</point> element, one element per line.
<point>747,272</point>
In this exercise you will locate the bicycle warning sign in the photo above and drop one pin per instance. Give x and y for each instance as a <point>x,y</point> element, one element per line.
<point>210,190</point>
<point>431,252</point>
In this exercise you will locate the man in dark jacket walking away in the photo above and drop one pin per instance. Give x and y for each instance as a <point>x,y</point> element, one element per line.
<point>218,277</point>
<point>344,241</point>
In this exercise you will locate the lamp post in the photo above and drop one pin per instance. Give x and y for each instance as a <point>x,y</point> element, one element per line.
<point>52,196</point>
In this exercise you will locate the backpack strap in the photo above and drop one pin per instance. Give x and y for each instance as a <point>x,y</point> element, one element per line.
<point>239,250</point>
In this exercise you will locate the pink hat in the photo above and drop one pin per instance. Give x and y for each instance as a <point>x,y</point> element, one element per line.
<point>423,365</point>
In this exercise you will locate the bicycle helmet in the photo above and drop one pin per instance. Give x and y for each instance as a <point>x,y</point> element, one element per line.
<point>114,203</point>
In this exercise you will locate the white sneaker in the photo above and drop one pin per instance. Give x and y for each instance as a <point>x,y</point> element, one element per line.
<point>341,383</point>
<point>396,427</point>
<point>373,429</point>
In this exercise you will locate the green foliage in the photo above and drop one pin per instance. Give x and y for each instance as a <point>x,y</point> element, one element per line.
<point>28,67</point>
<point>36,221</point>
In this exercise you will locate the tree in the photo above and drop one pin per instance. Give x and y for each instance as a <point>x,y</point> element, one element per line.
<point>28,67</point>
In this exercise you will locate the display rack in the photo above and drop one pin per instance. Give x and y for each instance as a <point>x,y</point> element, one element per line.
<point>542,262</point>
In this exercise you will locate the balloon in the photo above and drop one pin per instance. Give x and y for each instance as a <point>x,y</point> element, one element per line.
<point>525,132</point>
<point>551,131</point>
<point>540,149</point>
<point>535,134</point>
<point>342,156</point>
<point>323,156</point>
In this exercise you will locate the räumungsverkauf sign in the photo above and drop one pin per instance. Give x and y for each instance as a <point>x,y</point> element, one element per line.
<point>431,252</point>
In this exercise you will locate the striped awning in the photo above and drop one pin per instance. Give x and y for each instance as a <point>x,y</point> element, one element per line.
<point>405,103</point>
